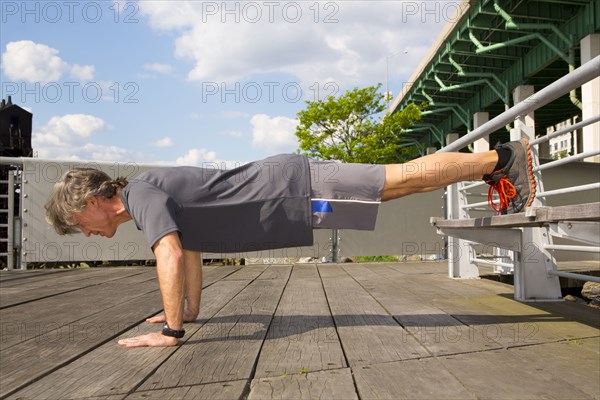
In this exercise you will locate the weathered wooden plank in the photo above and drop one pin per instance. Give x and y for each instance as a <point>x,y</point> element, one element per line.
<point>502,374</point>
<point>426,286</point>
<point>513,323</point>
<point>32,359</point>
<point>46,286</point>
<point>543,324</point>
<point>413,379</point>
<point>591,344</point>
<point>276,272</point>
<point>429,289</point>
<point>13,296</point>
<point>209,391</point>
<point>334,384</point>
<point>413,267</point>
<point>7,276</point>
<point>211,274</point>
<point>574,361</point>
<point>367,332</point>
<point>34,320</point>
<point>21,277</point>
<point>570,310</point>
<point>498,327</point>
<point>83,277</point>
<point>225,348</point>
<point>248,272</point>
<point>113,370</point>
<point>437,331</point>
<point>489,285</point>
<point>62,342</point>
<point>302,335</point>
<point>437,285</point>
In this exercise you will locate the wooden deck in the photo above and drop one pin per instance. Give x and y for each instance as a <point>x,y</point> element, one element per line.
<point>352,331</point>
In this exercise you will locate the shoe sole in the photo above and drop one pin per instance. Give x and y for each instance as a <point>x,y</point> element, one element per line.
<point>532,184</point>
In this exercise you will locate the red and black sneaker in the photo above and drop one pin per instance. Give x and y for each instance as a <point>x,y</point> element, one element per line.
<point>514,183</point>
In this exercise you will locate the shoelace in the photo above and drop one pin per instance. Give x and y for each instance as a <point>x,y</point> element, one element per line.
<point>506,192</point>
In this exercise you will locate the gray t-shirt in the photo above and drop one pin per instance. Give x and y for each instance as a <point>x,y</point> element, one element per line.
<point>260,205</point>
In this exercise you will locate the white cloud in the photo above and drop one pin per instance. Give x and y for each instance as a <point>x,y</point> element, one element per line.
<point>68,137</point>
<point>83,72</point>
<point>100,152</point>
<point>71,137</point>
<point>203,158</point>
<point>32,62</point>
<point>163,143</point>
<point>160,68</point>
<point>274,133</point>
<point>166,16</point>
<point>70,128</point>
<point>37,62</point>
<point>230,42</point>
<point>195,157</point>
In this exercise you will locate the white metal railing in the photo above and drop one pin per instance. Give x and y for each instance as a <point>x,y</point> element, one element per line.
<point>534,262</point>
<point>564,130</point>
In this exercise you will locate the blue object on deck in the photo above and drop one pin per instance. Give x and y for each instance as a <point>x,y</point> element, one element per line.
<point>321,206</point>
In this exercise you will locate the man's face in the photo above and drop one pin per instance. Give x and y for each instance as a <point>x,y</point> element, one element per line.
<point>96,218</point>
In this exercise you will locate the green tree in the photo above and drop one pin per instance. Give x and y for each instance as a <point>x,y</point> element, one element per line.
<point>347,128</point>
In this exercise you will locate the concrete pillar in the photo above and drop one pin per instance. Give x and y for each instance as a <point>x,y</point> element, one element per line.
<point>590,97</point>
<point>519,94</point>
<point>482,144</point>
<point>431,150</point>
<point>544,150</point>
<point>451,137</point>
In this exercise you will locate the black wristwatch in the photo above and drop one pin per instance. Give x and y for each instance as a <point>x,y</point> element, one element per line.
<point>172,332</point>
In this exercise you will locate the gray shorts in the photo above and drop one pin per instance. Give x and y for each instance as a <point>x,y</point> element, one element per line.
<point>345,196</point>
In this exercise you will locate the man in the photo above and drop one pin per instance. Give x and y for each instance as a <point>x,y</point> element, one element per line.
<point>272,203</point>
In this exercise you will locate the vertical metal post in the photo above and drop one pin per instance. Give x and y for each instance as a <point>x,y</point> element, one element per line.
<point>10,245</point>
<point>335,248</point>
<point>21,220</point>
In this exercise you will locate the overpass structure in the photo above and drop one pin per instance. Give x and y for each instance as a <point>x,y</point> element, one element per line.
<point>496,53</point>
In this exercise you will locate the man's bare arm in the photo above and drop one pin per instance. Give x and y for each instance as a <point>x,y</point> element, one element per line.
<point>193,288</point>
<point>170,267</point>
<point>193,284</point>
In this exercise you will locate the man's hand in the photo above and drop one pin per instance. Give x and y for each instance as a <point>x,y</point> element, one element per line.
<point>188,316</point>
<point>154,339</point>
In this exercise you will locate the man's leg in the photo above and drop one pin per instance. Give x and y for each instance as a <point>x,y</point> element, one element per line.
<point>436,171</point>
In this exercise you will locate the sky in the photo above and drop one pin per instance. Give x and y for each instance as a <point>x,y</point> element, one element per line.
<point>194,82</point>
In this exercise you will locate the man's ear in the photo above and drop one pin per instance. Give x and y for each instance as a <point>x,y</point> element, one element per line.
<point>92,201</point>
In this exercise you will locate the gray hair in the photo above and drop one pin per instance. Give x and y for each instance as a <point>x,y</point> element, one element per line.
<point>71,192</point>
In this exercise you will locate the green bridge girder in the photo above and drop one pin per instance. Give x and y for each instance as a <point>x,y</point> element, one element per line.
<point>494,47</point>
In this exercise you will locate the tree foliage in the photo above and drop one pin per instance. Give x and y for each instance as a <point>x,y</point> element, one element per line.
<point>348,128</point>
